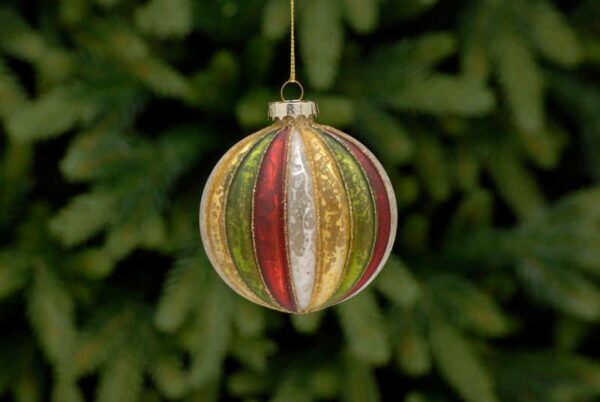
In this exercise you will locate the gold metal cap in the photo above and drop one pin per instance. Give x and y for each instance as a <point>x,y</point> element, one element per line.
<point>293,108</point>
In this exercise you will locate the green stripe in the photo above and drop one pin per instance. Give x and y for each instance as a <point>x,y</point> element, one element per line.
<point>238,218</point>
<point>363,216</point>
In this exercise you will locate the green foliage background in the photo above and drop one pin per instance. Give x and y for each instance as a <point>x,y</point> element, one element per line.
<point>486,114</point>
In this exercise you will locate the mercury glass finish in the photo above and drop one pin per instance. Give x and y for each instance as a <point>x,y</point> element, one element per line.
<point>333,218</point>
<point>301,221</point>
<point>212,216</point>
<point>363,216</point>
<point>298,216</point>
<point>239,219</point>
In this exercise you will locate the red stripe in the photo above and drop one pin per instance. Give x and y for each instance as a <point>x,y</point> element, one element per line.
<point>382,205</point>
<point>269,221</point>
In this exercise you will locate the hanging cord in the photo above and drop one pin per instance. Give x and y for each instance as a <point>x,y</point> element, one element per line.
<point>292,42</point>
<point>292,79</point>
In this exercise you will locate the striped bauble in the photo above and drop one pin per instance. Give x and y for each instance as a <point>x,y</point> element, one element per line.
<point>298,216</point>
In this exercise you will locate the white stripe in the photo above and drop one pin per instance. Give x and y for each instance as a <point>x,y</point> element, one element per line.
<point>301,222</point>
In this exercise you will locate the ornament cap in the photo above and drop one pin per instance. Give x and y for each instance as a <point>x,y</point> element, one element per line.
<point>293,109</point>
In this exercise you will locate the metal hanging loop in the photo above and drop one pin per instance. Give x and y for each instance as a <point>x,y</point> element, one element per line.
<point>291,82</point>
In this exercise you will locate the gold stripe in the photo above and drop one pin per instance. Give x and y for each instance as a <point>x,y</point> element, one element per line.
<point>333,218</point>
<point>213,211</point>
<point>376,213</point>
<point>390,196</point>
<point>288,269</point>
<point>351,222</point>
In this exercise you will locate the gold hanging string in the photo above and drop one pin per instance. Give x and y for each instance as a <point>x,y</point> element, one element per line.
<point>292,42</point>
<point>292,79</point>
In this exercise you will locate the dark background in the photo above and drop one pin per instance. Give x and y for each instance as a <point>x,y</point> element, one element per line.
<point>486,115</point>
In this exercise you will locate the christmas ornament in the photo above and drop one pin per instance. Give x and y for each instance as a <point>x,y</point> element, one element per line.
<point>298,216</point>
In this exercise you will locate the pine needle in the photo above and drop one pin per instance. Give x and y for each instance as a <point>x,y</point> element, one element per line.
<point>362,322</point>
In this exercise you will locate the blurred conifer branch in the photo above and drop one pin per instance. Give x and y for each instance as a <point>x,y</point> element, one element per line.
<point>485,113</point>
